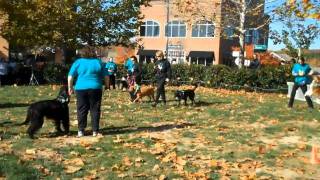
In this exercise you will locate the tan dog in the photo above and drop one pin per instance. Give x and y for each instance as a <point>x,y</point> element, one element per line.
<point>314,87</point>
<point>144,91</point>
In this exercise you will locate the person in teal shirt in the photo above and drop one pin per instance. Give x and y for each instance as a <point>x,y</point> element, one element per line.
<point>89,73</point>
<point>301,72</point>
<point>111,69</point>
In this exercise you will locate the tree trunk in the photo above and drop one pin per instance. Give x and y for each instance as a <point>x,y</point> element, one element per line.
<point>242,32</point>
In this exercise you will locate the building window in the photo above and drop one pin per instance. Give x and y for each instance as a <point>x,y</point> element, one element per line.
<point>256,36</point>
<point>176,29</point>
<point>203,29</point>
<point>150,29</point>
<point>248,36</point>
<point>229,32</point>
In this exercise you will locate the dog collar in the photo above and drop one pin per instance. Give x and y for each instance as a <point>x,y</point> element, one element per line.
<point>62,99</point>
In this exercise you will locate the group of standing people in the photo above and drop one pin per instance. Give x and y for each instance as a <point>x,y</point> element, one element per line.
<point>90,74</point>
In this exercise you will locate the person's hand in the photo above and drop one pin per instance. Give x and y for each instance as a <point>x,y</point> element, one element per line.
<point>167,79</point>
<point>70,90</point>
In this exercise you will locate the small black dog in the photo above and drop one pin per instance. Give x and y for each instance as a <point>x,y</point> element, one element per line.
<point>184,94</point>
<point>56,109</point>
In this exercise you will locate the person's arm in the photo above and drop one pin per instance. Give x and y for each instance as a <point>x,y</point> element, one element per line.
<point>72,73</point>
<point>70,85</point>
<point>309,71</point>
<point>169,71</point>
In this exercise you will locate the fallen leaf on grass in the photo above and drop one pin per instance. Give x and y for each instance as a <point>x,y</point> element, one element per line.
<point>73,165</point>
<point>71,169</point>
<point>213,163</point>
<point>126,161</point>
<point>122,175</point>
<point>181,161</point>
<point>31,151</point>
<point>42,169</point>
<point>162,177</point>
<point>139,159</point>
<point>262,149</point>
<point>118,140</point>
<point>156,167</point>
<point>170,157</point>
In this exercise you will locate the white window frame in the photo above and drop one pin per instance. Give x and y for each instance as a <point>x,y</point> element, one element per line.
<point>179,25</point>
<point>207,25</point>
<point>155,24</point>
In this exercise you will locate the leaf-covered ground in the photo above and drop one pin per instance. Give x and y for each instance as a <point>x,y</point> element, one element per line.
<point>226,135</point>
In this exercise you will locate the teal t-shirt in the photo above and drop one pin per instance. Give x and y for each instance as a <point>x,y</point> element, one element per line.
<point>300,72</point>
<point>111,68</point>
<point>89,73</point>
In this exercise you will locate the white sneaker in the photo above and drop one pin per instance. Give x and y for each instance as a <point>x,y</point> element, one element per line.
<point>95,134</point>
<point>80,133</point>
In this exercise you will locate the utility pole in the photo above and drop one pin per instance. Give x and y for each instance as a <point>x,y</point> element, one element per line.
<point>168,13</point>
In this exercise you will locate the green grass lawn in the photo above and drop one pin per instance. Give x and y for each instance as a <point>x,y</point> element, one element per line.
<point>226,135</point>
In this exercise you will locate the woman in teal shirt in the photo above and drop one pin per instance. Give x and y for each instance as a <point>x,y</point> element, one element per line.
<point>89,72</point>
<point>301,72</point>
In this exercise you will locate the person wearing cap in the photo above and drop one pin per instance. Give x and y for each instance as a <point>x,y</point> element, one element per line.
<point>301,72</point>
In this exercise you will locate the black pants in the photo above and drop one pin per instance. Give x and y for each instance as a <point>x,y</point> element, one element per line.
<point>89,100</point>
<point>160,90</point>
<point>111,81</point>
<point>304,88</point>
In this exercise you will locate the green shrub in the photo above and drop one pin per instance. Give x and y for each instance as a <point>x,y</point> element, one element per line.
<point>210,76</point>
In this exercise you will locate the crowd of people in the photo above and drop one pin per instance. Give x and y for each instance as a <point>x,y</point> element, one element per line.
<point>90,74</point>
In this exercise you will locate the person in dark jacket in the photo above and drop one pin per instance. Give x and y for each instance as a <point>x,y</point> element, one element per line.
<point>163,74</point>
<point>301,72</point>
<point>255,63</point>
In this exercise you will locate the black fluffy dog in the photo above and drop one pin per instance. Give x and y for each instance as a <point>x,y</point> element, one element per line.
<point>56,109</point>
<point>185,94</point>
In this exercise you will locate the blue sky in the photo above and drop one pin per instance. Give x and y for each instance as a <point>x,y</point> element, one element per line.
<point>278,26</point>
<point>271,46</point>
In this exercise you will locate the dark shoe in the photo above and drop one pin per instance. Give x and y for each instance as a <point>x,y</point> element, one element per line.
<point>154,105</point>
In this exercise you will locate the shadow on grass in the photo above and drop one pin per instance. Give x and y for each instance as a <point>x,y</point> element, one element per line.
<point>203,103</point>
<point>126,129</point>
<point>130,129</point>
<point>13,105</point>
<point>3,123</point>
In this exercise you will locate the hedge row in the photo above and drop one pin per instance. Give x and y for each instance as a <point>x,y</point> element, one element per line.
<point>210,76</point>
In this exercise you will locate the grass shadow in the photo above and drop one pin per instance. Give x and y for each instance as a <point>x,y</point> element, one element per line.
<point>130,129</point>
<point>203,103</point>
<point>13,105</point>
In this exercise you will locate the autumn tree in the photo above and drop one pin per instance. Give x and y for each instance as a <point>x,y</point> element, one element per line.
<point>70,23</point>
<point>235,16</point>
<point>305,8</point>
<point>296,33</point>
